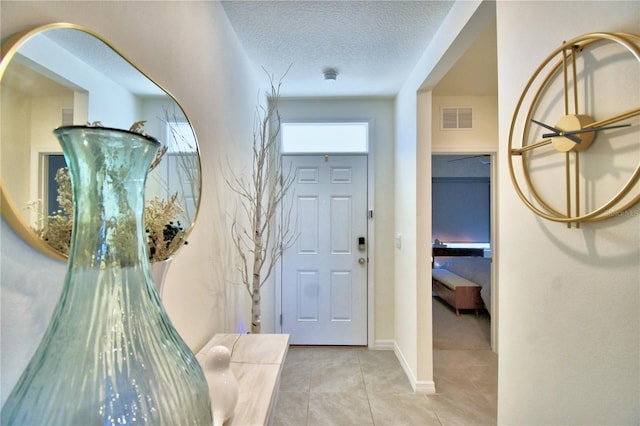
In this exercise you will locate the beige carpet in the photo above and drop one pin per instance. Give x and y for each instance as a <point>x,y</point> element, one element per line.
<point>465,332</point>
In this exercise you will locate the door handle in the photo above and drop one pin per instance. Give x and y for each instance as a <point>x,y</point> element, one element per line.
<point>362,261</point>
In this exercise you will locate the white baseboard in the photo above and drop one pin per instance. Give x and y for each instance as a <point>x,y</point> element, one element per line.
<point>383,345</point>
<point>422,386</point>
<point>425,386</point>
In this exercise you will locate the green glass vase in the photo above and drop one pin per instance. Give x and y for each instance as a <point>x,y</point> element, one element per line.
<point>110,355</point>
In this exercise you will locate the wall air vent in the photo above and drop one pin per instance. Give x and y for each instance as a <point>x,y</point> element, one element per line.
<point>456,118</point>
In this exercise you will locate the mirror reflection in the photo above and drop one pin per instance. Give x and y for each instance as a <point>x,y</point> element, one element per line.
<point>63,75</point>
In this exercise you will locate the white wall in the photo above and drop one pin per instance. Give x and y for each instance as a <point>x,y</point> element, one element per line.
<point>405,321</point>
<point>199,61</point>
<point>569,298</point>
<point>483,137</point>
<point>380,111</point>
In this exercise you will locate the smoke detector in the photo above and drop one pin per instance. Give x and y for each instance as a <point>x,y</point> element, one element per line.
<point>330,74</point>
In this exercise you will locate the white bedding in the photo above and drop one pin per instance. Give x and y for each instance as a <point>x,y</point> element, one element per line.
<point>450,279</point>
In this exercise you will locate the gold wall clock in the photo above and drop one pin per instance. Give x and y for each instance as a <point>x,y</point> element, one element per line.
<point>574,141</point>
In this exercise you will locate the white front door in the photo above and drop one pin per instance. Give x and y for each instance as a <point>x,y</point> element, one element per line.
<point>324,274</point>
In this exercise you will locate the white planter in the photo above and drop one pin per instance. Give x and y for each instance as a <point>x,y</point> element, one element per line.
<point>159,272</point>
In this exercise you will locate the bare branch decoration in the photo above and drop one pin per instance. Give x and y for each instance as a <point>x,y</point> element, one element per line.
<point>260,243</point>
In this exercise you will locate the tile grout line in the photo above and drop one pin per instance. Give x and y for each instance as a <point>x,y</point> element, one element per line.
<point>366,390</point>
<point>313,356</point>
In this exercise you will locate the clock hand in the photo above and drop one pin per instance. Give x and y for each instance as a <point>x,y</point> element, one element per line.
<point>585,130</point>
<point>557,132</point>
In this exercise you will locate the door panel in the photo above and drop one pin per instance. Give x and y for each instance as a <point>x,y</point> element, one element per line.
<point>324,286</point>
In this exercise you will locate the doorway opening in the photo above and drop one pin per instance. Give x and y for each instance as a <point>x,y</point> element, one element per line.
<point>462,230</point>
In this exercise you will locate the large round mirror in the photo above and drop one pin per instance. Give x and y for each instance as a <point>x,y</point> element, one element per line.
<point>62,74</point>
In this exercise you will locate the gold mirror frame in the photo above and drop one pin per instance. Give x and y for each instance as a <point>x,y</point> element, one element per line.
<point>187,155</point>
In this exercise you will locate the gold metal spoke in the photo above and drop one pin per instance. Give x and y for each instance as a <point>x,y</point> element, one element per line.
<point>565,80</point>
<point>577,185</point>
<point>574,52</point>
<point>614,119</point>
<point>519,151</point>
<point>567,183</point>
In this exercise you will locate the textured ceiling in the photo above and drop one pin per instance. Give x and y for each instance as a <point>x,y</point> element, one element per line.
<point>373,45</point>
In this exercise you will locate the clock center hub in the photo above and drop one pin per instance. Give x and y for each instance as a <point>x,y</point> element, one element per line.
<point>569,123</point>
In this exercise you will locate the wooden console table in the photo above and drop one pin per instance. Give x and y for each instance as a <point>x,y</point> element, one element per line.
<point>256,361</point>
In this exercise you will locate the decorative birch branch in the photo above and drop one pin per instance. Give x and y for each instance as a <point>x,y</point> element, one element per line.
<point>260,243</point>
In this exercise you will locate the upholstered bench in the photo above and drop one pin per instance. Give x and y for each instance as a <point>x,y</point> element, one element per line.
<point>457,291</point>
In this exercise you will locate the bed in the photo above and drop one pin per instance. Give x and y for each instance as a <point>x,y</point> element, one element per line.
<point>464,282</point>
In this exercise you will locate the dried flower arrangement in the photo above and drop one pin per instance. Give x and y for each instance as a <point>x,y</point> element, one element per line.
<point>165,234</point>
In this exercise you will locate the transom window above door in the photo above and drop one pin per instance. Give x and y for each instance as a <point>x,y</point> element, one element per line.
<point>320,138</point>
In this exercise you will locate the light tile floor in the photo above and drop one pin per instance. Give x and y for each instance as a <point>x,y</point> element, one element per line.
<point>357,386</point>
